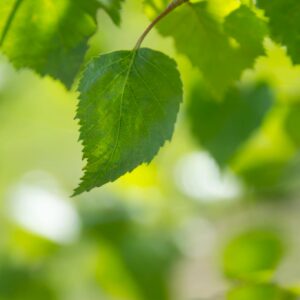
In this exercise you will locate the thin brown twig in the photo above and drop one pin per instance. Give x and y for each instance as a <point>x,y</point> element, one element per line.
<point>174,4</point>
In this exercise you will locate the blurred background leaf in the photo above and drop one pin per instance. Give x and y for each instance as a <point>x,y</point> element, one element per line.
<point>223,127</point>
<point>253,255</point>
<point>260,292</point>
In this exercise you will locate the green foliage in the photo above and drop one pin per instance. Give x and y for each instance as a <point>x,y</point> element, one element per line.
<point>260,292</point>
<point>251,259</point>
<point>129,99</point>
<point>223,127</point>
<point>209,44</point>
<point>284,23</point>
<point>106,262</point>
<point>113,8</point>
<point>128,105</point>
<point>147,255</point>
<point>254,254</point>
<point>292,123</point>
<point>265,176</point>
<point>19,282</point>
<point>54,33</point>
<point>155,254</point>
<point>49,37</point>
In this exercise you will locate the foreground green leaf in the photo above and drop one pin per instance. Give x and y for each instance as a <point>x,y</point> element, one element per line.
<point>128,105</point>
<point>220,52</point>
<point>223,127</point>
<point>284,23</point>
<point>49,37</point>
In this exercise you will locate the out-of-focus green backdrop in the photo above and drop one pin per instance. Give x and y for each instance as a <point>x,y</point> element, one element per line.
<point>180,228</point>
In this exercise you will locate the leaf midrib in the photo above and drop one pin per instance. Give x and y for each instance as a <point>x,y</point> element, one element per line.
<point>120,114</point>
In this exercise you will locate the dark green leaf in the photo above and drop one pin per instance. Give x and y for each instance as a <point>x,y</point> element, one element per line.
<point>20,282</point>
<point>265,177</point>
<point>128,106</point>
<point>222,127</point>
<point>284,23</point>
<point>150,258</point>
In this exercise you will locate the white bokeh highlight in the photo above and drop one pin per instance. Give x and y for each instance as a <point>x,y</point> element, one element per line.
<point>44,212</point>
<point>199,177</point>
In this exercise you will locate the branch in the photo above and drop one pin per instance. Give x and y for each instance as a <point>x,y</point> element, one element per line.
<point>173,5</point>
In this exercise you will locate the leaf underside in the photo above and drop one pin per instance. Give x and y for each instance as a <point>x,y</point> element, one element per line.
<point>128,105</point>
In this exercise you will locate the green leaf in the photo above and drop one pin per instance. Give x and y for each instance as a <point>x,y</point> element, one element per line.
<point>265,177</point>
<point>149,258</point>
<point>266,291</point>
<point>223,127</point>
<point>284,23</point>
<point>128,105</point>
<point>292,123</point>
<point>253,255</point>
<point>19,281</point>
<point>113,8</point>
<point>146,255</point>
<point>48,36</point>
<point>220,52</point>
